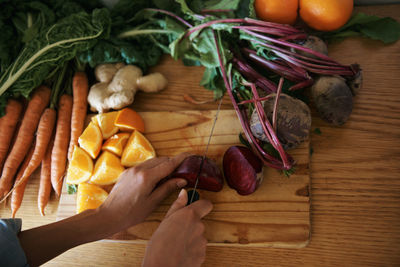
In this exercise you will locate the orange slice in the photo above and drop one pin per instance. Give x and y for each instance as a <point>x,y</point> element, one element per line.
<point>89,196</point>
<point>116,143</point>
<point>107,169</point>
<point>106,123</point>
<point>80,167</point>
<point>128,120</point>
<point>137,150</point>
<point>91,140</point>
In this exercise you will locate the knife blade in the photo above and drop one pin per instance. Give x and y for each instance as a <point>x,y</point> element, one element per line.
<point>193,195</point>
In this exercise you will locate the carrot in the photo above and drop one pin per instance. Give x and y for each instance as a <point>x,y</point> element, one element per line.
<point>59,152</point>
<point>19,185</point>
<point>45,182</point>
<point>43,135</point>
<point>80,87</point>
<point>40,99</point>
<point>8,124</point>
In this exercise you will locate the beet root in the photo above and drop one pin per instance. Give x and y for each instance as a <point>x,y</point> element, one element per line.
<point>210,178</point>
<point>293,121</point>
<point>333,99</point>
<point>314,43</point>
<point>242,169</point>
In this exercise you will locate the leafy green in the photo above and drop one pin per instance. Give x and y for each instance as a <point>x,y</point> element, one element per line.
<point>72,189</point>
<point>385,29</point>
<point>246,9</point>
<point>35,17</point>
<point>244,141</point>
<point>51,48</point>
<point>142,42</point>
<point>317,131</point>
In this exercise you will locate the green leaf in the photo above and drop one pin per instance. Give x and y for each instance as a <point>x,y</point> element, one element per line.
<point>385,29</point>
<point>244,141</point>
<point>215,5</point>
<point>72,189</point>
<point>289,172</point>
<point>185,9</point>
<point>246,9</point>
<point>317,131</point>
<point>49,49</point>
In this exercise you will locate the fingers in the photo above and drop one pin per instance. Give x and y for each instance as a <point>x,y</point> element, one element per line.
<point>179,203</point>
<point>148,164</point>
<point>161,192</point>
<point>201,207</point>
<point>165,167</point>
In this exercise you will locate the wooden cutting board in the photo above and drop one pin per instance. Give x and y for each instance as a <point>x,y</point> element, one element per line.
<point>276,215</point>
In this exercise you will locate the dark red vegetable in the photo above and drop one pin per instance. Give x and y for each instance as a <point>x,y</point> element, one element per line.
<point>210,176</point>
<point>242,169</point>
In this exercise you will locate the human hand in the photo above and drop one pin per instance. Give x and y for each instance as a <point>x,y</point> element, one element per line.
<point>179,240</point>
<point>135,195</point>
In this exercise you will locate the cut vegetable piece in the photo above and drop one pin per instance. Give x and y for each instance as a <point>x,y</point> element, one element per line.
<point>89,196</point>
<point>128,120</point>
<point>137,150</point>
<point>107,169</point>
<point>116,143</point>
<point>80,167</point>
<point>106,124</point>
<point>91,140</point>
<point>243,171</point>
<point>210,177</point>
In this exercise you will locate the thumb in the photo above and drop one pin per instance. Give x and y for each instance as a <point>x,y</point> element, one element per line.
<point>179,203</point>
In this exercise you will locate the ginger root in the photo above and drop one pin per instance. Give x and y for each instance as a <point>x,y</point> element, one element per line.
<point>118,84</point>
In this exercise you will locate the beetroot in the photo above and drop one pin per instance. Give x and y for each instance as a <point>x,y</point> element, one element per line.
<point>210,177</point>
<point>242,169</point>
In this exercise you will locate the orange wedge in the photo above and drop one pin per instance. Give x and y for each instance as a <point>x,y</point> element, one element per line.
<point>106,123</point>
<point>80,167</point>
<point>107,169</point>
<point>116,143</point>
<point>89,196</point>
<point>128,120</point>
<point>137,150</point>
<point>91,140</point>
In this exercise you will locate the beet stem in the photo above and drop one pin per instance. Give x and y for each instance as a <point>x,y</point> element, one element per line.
<point>274,163</point>
<point>288,44</point>
<point>275,111</point>
<point>268,131</point>
<point>279,69</point>
<point>322,62</point>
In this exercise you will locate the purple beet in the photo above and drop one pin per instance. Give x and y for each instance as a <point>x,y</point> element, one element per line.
<point>210,177</point>
<point>242,169</point>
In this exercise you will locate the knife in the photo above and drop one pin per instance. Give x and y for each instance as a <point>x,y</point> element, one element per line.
<point>193,195</point>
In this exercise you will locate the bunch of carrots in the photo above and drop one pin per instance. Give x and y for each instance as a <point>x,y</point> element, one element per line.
<point>56,134</point>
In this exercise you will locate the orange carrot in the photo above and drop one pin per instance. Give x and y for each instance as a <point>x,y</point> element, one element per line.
<point>8,124</point>
<point>61,141</point>
<point>80,87</point>
<point>19,187</point>
<point>43,135</point>
<point>39,101</point>
<point>45,182</point>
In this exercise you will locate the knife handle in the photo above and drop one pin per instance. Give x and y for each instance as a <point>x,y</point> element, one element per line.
<point>195,197</point>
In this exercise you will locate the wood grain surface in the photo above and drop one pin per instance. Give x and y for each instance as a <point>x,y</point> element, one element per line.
<point>355,173</point>
<point>276,215</point>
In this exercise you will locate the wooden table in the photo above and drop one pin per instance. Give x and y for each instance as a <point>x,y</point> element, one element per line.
<point>355,173</point>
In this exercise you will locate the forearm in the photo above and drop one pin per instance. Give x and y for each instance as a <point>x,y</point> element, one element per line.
<point>46,242</point>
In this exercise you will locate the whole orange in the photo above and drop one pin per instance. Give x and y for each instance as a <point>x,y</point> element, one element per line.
<point>326,15</point>
<point>280,11</point>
